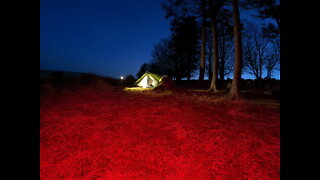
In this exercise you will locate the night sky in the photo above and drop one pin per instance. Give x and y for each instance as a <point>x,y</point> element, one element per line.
<point>105,37</point>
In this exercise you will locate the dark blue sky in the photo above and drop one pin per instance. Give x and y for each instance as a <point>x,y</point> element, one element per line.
<point>105,37</point>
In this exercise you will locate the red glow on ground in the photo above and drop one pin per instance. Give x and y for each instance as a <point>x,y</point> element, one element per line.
<point>122,135</point>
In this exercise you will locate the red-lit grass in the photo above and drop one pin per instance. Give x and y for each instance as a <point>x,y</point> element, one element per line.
<point>111,134</point>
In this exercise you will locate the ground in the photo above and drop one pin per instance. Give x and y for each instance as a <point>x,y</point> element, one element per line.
<point>133,134</point>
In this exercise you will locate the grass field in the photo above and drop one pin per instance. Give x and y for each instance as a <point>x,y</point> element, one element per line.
<point>132,134</point>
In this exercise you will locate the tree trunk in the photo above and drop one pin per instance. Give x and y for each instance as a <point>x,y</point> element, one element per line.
<point>278,22</point>
<point>268,74</point>
<point>214,80</point>
<point>189,68</point>
<point>260,68</point>
<point>235,86</point>
<point>189,74</point>
<point>203,44</point>
<point>210,64</point>
<point>222,57</point>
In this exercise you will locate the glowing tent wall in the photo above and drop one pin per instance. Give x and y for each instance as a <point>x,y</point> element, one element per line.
<point>148,81</point>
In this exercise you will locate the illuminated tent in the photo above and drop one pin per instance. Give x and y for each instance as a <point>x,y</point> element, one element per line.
<point>148,80</point>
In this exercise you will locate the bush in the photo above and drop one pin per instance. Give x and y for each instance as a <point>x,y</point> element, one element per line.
<point>46,89</point>
<point>129,81</point>
<point>57,78</point>
<point>96,82</point>
<point>167,83</point>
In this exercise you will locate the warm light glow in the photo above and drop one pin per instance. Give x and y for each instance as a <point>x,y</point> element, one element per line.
<point>147,81</point>
<point>137,89</point>
<point>121,77</point>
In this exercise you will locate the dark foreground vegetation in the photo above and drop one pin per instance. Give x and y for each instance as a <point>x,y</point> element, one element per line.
<point>267,88</point>
<point>93,128</point>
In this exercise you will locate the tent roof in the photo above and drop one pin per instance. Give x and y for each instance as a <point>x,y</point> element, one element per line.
<point>156,76</point>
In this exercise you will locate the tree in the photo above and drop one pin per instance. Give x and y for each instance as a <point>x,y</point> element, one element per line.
<point>255,50</point>
<point>195,8</point>
<point>210,55</point>
<point>213,8</point>
<point>235,86</point>
<point>129,80</point>
<point>216,15</point>
<point>203,41</point>
<point>225,45</point>
<point>269,9</point>
<point>178,55</point>
<point>270,31</point>
<point>226,51</point>
<point>185,37</point>
<point>266,9</point>
<point>273,59</point>
<point>224,41</point>
<point>162,62</point>
<point>143,69</point>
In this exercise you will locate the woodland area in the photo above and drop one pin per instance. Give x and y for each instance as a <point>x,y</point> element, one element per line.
<point>208,39</point>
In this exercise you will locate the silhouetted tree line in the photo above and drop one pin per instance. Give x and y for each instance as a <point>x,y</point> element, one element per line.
<point>210,31</point>
<point>176,56</point>
<point>60,79</point>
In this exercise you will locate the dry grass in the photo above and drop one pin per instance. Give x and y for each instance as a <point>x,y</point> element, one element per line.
<point>143,134</point>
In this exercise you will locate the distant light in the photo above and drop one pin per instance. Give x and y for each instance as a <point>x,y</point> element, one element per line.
<point>121,77</point>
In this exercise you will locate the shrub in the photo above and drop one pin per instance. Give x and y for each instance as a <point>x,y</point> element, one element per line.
<point>129,80</point>
<point>167,83</point>
<point>46,89</point>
